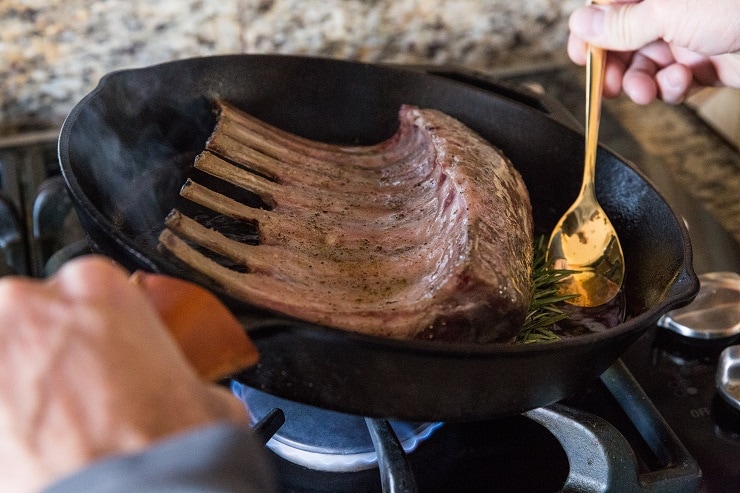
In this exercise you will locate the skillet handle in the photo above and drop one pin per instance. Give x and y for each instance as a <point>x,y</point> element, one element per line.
<point>540,101</point>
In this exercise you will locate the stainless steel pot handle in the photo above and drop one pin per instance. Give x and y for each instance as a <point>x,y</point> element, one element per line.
<point>727,379</point>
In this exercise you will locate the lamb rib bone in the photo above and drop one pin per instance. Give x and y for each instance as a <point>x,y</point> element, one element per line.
<point>425,235</point>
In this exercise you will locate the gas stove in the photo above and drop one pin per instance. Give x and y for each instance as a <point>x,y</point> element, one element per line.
<point>652,422</point>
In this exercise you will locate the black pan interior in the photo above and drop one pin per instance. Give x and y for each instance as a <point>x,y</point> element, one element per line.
<point>126,149</point>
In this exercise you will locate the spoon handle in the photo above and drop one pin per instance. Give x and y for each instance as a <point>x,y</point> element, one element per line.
<point>595,67</point>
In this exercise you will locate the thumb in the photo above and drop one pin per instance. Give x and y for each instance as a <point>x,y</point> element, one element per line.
<point>619,27</point>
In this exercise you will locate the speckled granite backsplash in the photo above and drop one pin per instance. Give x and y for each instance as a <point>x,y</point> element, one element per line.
<point>53,52</point>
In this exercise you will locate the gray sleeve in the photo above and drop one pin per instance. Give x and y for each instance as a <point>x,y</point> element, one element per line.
<point>223,458</point>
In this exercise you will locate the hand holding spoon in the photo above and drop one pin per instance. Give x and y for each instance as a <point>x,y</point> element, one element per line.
<point>584,239</point>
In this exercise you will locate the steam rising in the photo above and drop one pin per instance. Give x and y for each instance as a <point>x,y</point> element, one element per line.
<point>131,143</point>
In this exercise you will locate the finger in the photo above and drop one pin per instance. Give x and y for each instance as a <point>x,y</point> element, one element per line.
<point>674,82</point>
<point>639,79</point>
<point>703,69</point>
<point>659,52</point>
<point>621,27</point>
<point>577,49</point>
<point>727,68</point>
<point>616,64</point>
<point>89,277</point>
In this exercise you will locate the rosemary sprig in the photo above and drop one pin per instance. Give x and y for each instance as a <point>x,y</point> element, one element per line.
<point>543,310</point>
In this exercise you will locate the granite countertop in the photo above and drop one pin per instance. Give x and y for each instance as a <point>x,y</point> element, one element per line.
<point>693,154</point>
<point>53,52</point>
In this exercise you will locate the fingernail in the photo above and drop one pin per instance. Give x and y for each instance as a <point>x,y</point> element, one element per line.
<point>588,22</point>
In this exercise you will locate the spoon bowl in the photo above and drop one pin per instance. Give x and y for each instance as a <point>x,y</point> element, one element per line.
<point>584,239</point>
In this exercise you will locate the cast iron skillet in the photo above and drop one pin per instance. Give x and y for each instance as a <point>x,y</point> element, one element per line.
<point>127,147</point>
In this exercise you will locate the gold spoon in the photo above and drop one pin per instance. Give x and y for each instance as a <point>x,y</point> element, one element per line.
<point>584,239</point>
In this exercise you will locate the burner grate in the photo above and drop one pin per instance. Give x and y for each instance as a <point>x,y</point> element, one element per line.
<point>599,456</point>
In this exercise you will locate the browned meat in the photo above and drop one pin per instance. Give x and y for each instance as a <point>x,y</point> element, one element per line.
<point>425,235</point>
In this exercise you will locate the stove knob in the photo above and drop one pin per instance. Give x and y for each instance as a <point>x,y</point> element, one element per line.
<point>12,246</point>
<point>715,312</point>
<point>727,378</point>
